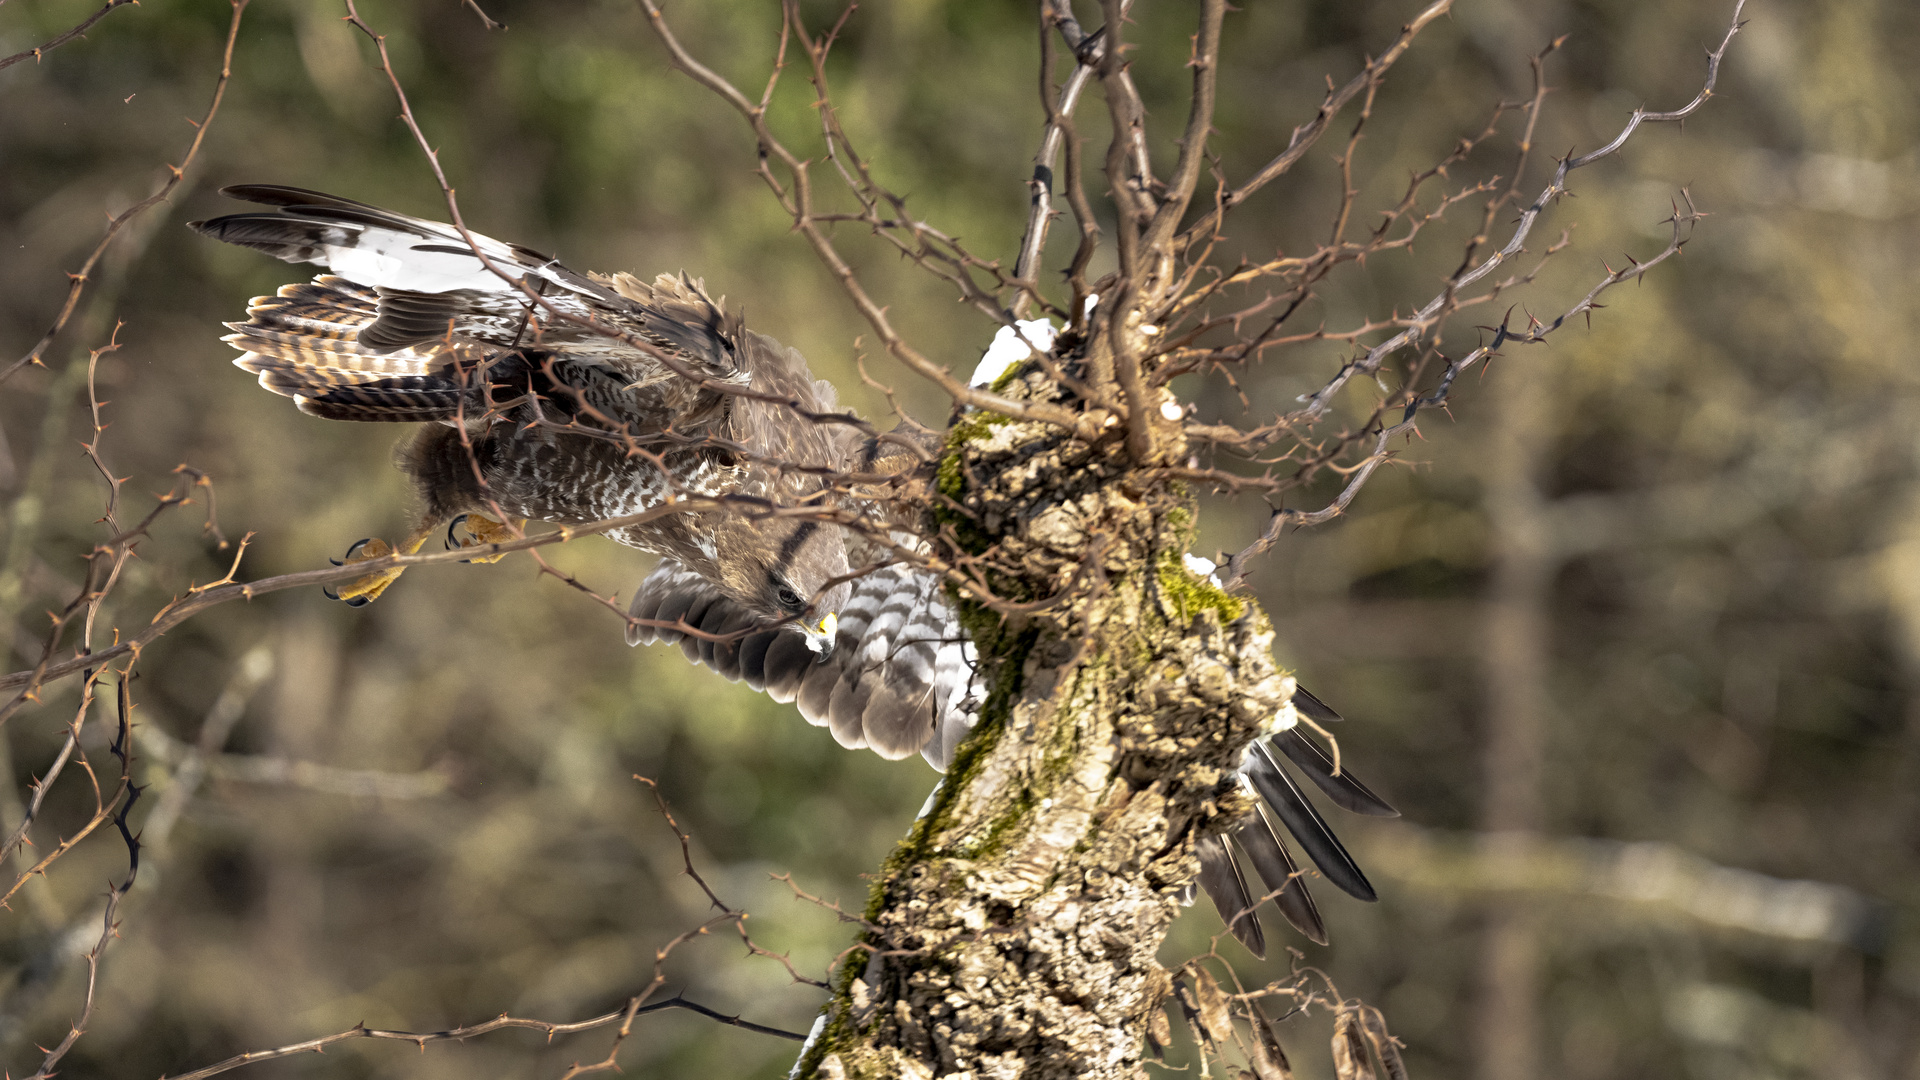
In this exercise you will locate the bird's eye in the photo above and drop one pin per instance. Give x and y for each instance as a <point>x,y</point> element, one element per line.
<point>789,599</point>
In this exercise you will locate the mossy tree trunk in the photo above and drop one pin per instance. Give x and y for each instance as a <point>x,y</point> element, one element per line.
<point>1014,932</point>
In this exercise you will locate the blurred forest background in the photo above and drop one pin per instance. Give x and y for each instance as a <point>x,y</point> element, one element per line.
<point>1632,637</point>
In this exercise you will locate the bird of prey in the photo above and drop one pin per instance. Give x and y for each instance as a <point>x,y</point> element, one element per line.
<point>544,394</point>
<point>529,415</point>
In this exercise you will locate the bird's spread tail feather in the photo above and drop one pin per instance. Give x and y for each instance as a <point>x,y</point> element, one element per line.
<point>303,342</point>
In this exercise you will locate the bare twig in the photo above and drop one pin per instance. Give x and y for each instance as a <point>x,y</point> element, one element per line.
<point>200,598</point>
<point>486,20</point>
<point>77,282</point>
<point>739,918</point>
<point>498,1023</point>
<point>1427,319</point>
<point>54,43</point>
<point>797,198</point>
<point>122,749</point>
<point>1428,315</point>
<point>1309,133</point>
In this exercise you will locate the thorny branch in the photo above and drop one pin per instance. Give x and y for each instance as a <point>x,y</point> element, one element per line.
<point>637,1005</point>
<point>117,810</point>
<point>1040,213</point>
<point>796,197</point>
<point>739,918</point>
<point>77,282</point>
<point>1426,321</point>
<point>116,806</point>
<point>201,597</point>
<point>421,1039</point>
<point>1435,309</point>
<point>1309,133</point>
<point>79,30</point>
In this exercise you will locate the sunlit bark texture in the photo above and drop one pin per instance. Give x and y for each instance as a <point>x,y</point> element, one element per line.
<point>1015,932</point>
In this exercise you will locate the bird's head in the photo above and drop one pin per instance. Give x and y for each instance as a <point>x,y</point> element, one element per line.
<point>786,570</point>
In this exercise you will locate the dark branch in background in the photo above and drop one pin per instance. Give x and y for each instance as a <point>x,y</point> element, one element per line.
<point>176,174</point>
<point>62,39</point>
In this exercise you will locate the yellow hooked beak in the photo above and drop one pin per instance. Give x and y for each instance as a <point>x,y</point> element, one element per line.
<point>820,638</point>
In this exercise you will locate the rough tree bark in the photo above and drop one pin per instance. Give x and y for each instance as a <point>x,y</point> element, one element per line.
<point>1014,931</point>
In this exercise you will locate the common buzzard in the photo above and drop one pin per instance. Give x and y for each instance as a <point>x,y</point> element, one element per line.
<point>635,394</point>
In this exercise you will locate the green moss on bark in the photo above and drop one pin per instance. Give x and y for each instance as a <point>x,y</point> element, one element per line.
<point>950,480</point>
<point>1003,652</point>
<point>1189,594</point>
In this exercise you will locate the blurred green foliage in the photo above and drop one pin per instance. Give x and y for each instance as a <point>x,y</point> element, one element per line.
<point>1726,461</point>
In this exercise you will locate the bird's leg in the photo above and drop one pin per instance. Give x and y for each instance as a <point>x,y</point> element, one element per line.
<point>366,590</point>
<point>481,531</point>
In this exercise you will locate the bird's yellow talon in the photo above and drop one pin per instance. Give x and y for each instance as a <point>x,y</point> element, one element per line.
<point>362,591</point>
<point>481,531</point>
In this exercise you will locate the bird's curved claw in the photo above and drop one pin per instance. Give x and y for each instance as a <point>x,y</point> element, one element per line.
<point>360,592</point>
<point>451,543</point>
<point>482,531</point>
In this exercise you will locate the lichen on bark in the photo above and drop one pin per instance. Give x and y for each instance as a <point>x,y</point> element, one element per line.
<point>1014,932</point>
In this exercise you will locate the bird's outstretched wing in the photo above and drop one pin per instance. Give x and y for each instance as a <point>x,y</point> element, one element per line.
<point>901,678</point>
<point>411,324</point>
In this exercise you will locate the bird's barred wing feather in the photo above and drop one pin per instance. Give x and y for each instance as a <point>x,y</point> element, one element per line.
<point>407,303</point>
<point>901,677</point>
<point>899,680</point>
